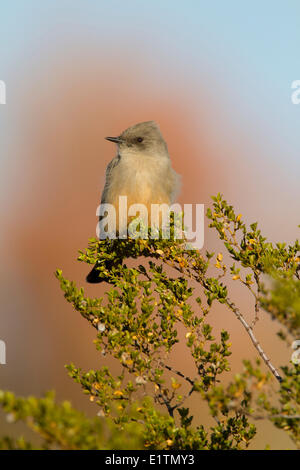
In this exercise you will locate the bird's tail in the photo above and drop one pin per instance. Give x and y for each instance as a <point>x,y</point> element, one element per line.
<point>95,276</point>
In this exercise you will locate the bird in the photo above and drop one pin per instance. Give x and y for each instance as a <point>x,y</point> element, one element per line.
<point>141,170</point>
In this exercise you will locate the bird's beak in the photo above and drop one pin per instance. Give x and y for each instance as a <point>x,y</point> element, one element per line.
<point>116,140</point>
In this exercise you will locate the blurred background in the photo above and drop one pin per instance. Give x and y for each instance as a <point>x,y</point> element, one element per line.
<point>217,78</point>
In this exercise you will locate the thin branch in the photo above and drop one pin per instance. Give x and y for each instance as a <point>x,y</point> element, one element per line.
<point>180,374</point>
<point>256,343</point>
<point>199,278</point>
<point>266,416</point>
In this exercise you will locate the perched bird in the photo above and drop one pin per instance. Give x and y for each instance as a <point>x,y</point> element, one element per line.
<point>141,170</point>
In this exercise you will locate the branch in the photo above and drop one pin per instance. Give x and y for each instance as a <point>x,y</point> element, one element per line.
<point>256,343</point>
<point>261,417</point>
<point>199,278</point>
<point>180,374</point>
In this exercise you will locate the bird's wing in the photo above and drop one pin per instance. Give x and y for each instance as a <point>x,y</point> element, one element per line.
<point>109,170</point>
<point>93,277</point>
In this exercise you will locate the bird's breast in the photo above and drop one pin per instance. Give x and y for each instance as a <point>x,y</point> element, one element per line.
<point>141,179</point>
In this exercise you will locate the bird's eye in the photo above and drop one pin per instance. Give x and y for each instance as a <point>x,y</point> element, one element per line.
<point>140,139</point>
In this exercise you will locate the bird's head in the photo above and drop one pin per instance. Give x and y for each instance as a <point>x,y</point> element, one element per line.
<point>142,138</point>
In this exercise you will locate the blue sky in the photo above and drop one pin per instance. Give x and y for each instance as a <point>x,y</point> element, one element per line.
<point>248,50</point>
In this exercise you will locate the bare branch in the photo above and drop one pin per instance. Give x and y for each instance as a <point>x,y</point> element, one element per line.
<point>256,343</point>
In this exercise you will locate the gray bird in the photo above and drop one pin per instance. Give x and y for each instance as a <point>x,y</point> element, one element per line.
<point>141,170</point>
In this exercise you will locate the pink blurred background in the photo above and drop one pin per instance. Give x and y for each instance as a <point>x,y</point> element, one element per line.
<point>76,75</point>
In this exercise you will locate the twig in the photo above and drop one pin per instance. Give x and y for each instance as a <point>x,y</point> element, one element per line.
<point>199,278</point>
<point>180,374</point>
<point>275,416</point>
<point>256,343</point>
